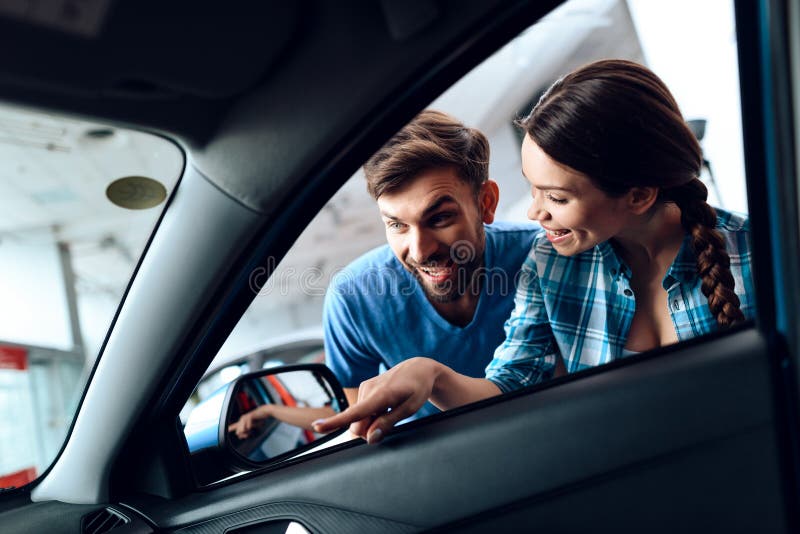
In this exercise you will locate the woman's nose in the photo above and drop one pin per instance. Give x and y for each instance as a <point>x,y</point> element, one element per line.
<point>536,211</point>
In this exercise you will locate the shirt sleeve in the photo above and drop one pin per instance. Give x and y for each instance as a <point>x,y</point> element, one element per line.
<point>345,351</point>
<point>528,354</point>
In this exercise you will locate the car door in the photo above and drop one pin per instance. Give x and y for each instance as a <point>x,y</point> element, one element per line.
<point>699,436</point>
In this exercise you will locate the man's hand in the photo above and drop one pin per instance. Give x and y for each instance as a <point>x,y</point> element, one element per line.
<point>386,399</point>
<point>400,392</point>
<point>249,421</point>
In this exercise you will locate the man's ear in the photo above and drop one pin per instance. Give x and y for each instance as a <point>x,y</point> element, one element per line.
<point>641,199</point>
<point>488,197</point>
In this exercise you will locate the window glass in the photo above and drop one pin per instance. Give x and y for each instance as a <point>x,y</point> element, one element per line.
<point>288,308</point>
<point>704,78</point>
<point>79,201</point>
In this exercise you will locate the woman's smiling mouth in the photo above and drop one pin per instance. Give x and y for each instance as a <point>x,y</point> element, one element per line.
<point>557,236</point>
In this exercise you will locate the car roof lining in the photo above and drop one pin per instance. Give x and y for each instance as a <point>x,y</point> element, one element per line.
<point>231,97</point>
<point>150,50</point>
<point>262,134</point>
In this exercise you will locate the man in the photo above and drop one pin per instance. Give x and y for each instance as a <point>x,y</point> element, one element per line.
<point>444,284</point>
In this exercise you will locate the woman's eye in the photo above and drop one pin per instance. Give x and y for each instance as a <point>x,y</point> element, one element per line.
<point>556,200</point>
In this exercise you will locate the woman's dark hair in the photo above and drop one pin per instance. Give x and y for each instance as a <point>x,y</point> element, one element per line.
<point>616,122</point>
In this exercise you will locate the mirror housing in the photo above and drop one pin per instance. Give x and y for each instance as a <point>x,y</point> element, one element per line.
<point>260,419</point>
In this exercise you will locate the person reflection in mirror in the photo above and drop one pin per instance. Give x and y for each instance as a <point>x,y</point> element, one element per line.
<point>300,416</point>
<point>444,283</point>
<point>631,257</point>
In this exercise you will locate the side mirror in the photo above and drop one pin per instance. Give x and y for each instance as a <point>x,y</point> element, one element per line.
<point>262,418</point>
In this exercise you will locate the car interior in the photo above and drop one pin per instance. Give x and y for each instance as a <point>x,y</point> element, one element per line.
<point>275,105</point>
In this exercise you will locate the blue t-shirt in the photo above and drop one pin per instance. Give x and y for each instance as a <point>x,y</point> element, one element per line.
<point>376,315</point>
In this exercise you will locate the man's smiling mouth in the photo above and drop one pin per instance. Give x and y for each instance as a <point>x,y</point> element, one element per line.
<point>435,273</point>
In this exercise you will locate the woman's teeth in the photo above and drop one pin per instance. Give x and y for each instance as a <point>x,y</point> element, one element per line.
<point>558,233</point>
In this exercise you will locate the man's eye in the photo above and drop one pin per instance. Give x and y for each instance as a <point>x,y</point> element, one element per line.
<point>440,219</point>
<point>395,226</point>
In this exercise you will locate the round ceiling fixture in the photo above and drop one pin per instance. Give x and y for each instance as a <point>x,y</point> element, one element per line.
<point>136,192</point>
<point>100,133</point>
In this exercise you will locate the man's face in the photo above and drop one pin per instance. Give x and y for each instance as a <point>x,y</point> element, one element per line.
<point>434,226</point>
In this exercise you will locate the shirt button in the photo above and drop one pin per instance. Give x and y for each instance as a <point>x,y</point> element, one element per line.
<point>676,305</point>
<point>628,292</point>
<point>613,272</point>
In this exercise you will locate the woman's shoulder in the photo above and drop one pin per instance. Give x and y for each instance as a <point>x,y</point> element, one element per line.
<point>731,221</point>
<point>735,229</point>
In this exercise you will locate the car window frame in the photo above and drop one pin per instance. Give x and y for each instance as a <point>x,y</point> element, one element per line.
<point>327,176</point>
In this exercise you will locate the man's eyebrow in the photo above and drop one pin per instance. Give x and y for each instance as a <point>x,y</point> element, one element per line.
<point>435,205</point>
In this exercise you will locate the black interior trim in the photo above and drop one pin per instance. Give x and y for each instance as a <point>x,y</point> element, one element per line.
<point>660,410</point>
<point>755,40</point>
<point>564,510</point>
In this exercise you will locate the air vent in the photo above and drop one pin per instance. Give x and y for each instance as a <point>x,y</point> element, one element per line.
<point>102,521</point>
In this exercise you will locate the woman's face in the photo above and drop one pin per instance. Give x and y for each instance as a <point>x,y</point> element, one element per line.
<point>576,214</point>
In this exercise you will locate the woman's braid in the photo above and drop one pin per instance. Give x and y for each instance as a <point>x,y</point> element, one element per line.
<point>713,263</point>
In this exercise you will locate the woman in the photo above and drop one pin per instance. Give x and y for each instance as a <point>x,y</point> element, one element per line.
<point>632,257</point>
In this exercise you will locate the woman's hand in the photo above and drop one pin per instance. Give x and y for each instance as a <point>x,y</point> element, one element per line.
<point>250,420</point>
<point>386,399</point>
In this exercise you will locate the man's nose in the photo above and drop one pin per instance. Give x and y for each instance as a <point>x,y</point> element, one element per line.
<point>421,246</point>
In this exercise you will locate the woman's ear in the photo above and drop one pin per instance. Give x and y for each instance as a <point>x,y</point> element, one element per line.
<point>641,199</point>
<point>488,197</point>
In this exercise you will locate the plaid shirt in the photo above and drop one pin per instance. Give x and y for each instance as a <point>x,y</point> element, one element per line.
<point>581,307</point>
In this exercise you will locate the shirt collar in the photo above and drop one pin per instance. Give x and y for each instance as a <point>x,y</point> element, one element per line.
<point>684,267</point>
<point>612,262</point>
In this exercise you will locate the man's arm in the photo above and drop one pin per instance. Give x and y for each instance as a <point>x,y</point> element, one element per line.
<point>346,353</point>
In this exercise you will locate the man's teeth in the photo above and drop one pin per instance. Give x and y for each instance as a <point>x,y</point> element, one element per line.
<point>558,233</point>
<point>433,270</point>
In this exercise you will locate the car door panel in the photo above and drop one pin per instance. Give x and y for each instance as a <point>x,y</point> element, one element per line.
<point>56,517</point>
<point>635,435</point>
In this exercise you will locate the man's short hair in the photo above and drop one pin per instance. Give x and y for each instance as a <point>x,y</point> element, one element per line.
<point>433,140</point>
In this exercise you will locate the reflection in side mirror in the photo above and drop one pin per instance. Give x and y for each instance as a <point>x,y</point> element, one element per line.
<point>261,418</point>
<point>270,412</point>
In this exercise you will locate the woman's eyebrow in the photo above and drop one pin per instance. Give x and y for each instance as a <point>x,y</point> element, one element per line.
<point>554,188</point>
<point>547,187</point>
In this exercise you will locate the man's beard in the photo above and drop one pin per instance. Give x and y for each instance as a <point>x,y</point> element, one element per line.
<point>453,288</point>
<point>467,258</point>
